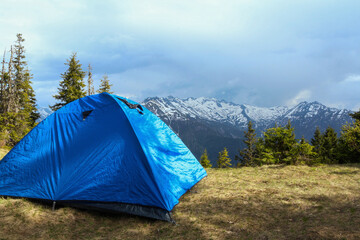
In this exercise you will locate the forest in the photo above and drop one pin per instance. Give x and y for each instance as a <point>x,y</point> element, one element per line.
<point>278,145</point>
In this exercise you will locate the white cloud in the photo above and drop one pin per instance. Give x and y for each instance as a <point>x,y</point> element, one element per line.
<point>303,95</point>
<point>193,48</point>
<point>353,78</point>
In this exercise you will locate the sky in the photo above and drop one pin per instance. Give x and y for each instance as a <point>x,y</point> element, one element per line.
<point>258,52</point>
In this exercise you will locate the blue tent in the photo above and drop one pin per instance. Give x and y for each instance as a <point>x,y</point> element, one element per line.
<point>102,152</point>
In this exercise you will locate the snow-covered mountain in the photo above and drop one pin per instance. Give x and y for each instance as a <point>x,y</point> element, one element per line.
<point>214,124</point>
<point>211,109</point>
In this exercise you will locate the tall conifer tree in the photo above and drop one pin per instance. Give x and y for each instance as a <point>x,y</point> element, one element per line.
<point>247,155</point>
<point>24,93</point>
<point>317,141</point>
<point>105,85</point>
<point>330,145</point>
<point>18,102</point>
<point>72,84</point>
<point>278,142</point>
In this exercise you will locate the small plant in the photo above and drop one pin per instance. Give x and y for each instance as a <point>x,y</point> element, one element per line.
<point>223,160</point>
<point>204,160</point>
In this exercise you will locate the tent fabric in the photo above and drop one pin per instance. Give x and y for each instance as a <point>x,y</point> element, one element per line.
<point>98,149</point>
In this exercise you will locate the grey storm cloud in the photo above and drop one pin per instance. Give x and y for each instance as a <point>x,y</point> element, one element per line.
<point>265,53</point>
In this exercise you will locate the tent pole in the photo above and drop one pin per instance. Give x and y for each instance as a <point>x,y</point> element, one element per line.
<point>53,206</point>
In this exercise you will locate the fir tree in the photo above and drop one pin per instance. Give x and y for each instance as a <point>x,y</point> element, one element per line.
<point>204,160</point>
<point>105,85</point>
<point>278,143</point>
<point>329,146</point>
<point>223,160</point>
<point>348,149</point>
<point>247,155</point>
<point>72,84</point>
<point>301,153</point>
<point>18,102</point>
<point>90,82</point>
<point>26,101</point>
<point>349,143</point>
<point>317,140</point>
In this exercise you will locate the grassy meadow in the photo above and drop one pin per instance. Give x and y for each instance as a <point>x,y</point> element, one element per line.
<point>268,202</point>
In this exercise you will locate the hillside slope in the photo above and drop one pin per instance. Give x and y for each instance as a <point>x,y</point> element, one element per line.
<point>269,202</point>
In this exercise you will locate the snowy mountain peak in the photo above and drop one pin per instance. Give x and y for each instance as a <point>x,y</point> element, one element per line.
<point>196,108</point>
<point>211,109</point>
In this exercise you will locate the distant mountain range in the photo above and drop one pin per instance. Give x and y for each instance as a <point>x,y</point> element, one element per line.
<point>214,124</point>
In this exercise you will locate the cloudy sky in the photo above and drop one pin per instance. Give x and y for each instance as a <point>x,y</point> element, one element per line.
<point>258,52</point>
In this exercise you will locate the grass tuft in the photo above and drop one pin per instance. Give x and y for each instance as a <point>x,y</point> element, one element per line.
<point>3,152</point>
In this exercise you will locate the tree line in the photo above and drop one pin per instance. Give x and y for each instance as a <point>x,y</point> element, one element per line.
<point>72,86</point>
<point>18,107</point>
<point>18,111</point>
<point>278,145</point>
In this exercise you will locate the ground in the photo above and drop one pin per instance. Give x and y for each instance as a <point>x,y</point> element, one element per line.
<point>2,152</point>
<point>269,202</point>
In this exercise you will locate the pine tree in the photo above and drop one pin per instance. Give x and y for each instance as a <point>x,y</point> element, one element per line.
<point>278,142</point>
<point>90,82</point>
<point>301,153</point>
<point>105,85</point>
<point>317,141</point>
<point>204,160</point>
<point>223,160</point>
<point>349,143</point>
<point>24,93</point>
<point>72,86</point>
<point>247,155</point>
<point>330,145</point>
<point>18,102</point>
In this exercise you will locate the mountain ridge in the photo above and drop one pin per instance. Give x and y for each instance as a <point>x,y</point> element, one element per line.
<point>215,124</point>
<point>212,109</point>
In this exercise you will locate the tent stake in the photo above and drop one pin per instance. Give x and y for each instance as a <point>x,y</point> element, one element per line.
<point>53,206</point>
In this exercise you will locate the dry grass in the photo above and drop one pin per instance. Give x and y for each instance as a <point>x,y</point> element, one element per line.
<point>269,202</point>
<point>3,152</point>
